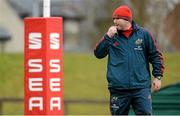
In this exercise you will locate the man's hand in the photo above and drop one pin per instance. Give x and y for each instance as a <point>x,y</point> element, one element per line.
<point>112,30</point>
<point>156,84</point>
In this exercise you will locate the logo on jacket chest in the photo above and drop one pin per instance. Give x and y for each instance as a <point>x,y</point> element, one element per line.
<point>138,44</point>
<point>116,43</point>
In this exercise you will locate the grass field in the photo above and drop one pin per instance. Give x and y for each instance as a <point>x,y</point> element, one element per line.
<point>84,78</point>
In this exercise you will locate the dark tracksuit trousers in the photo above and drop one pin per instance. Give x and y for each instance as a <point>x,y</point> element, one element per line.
<point>140,99</point>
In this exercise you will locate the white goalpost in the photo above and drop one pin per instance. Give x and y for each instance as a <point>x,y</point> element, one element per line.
<point>46,8</point>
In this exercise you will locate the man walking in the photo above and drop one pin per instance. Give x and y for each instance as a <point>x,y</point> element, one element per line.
<point>130,49</point>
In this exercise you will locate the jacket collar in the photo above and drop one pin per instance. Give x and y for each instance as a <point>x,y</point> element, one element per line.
<point>135,26</point>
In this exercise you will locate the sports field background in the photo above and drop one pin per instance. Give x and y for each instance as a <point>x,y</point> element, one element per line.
<point>84,78</point>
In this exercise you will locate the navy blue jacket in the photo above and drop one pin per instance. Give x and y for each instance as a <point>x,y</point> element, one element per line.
<point>129,58</point>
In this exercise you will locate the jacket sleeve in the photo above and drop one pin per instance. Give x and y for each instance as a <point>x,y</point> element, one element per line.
<point>155,56</point>
<point>102,47</point>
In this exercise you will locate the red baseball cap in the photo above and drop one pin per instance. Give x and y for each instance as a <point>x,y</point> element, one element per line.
<point>123,12</point>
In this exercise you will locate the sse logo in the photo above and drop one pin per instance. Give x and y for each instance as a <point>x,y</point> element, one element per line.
<point>35,66</point>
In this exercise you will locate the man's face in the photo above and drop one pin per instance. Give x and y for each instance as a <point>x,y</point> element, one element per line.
<point>120,23</point>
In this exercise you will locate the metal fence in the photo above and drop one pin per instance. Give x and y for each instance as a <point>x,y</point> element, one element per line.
<point>9,100</point>
<point>66,103</point>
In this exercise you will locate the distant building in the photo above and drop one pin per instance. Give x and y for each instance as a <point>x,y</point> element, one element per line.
<point>79,16</point>
<point>11,24</point>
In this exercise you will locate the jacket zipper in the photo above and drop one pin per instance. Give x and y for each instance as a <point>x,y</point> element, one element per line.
<point>128,62</point>
<point>129,55</point>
